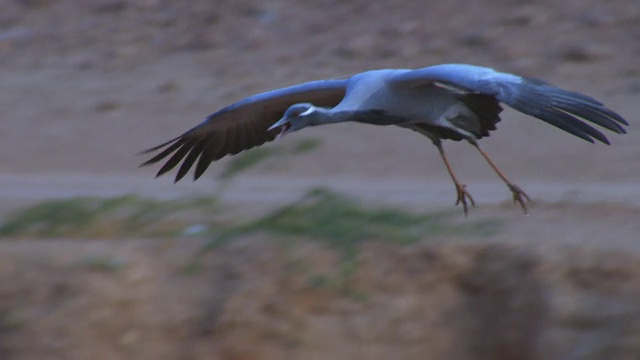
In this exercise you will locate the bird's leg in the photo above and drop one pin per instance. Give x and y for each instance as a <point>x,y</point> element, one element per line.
<point>519,196</point>
<point>461,191</point>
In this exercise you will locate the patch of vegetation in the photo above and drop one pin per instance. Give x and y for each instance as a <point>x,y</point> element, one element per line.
<point>102,263</point>
<point>321,215</point>
<point>318,281</point>
<point>248,159</point>
<point>344,223</point>
<point>97,217</point>
<point>305,146</point>
<point>10,320</point>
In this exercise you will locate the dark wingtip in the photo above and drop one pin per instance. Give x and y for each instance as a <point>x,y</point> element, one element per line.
<point>569,111</point>
<point>197,174</point>
<point>158,147</point>
<point>150,150</point>
<point>179,176</point>
<point>148,162</point>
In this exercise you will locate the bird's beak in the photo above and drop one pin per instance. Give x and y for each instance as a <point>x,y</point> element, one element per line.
<point>284,123</point>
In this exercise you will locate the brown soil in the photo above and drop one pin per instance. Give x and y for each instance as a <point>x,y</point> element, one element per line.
<point>87,84</point>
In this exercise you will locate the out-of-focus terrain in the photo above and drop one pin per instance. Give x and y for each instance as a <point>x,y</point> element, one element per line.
<point>392,270</point>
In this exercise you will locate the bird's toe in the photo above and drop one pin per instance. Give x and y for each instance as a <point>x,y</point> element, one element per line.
<point>464,198</point>
<point>520,197</point>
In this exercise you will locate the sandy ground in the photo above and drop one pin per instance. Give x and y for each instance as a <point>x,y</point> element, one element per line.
<point>86,85</point>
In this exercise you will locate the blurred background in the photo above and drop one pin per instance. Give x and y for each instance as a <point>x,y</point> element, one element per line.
<point>337,242</point>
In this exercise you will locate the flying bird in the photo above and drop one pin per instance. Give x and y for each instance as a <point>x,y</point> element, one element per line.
<point>448,101</point>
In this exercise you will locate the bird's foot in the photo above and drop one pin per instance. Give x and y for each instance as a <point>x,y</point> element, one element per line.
<point>520,197</point>
<point>463,196</point>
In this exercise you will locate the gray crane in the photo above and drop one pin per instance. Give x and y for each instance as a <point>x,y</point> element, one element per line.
<point>448,101</point>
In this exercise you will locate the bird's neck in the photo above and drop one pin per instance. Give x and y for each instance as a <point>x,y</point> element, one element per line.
<point>329,116</point>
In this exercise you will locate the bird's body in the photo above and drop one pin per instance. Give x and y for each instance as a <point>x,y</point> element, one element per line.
<point>373,98</point>
<point>449,101</point>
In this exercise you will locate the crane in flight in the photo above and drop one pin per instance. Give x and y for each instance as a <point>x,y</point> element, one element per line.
<point>448,101</point>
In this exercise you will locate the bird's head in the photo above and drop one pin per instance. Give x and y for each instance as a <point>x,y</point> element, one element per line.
<point>297,116</point>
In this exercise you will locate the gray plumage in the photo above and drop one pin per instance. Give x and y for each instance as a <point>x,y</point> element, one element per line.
<point>449,101</point>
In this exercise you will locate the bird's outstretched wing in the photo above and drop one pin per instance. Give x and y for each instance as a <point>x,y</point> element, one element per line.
<point>240,126</point>
<point>561,108</point>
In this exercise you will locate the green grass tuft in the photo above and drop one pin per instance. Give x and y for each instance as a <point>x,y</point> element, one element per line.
<point>102,263</point>
<point>318,281</point>
<point>305,146</point>
<point>343,223</point>
<point>10,320</point>
<point>97,217</point>
<point>246,160</point>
